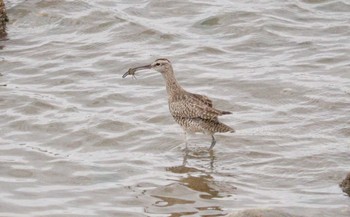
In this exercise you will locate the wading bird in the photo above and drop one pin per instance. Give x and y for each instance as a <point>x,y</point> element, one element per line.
<point>193,112</point>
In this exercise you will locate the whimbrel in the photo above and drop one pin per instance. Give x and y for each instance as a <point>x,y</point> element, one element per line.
<point>193,112</point>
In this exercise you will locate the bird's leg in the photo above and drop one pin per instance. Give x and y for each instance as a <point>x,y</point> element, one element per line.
<point>213,142</point>
<point>186,139</point>
<point>212,159</point>
<point>184,162</point>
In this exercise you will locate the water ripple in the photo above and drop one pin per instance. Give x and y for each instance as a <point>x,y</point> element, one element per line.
<point>77,139</point>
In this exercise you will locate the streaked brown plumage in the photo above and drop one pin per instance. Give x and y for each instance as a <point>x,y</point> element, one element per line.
<point>193,112</point>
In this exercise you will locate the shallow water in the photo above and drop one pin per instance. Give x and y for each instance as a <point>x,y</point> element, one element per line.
<point>78,140</point>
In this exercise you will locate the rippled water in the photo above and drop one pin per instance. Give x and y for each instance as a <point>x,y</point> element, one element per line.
<point>78,140</point>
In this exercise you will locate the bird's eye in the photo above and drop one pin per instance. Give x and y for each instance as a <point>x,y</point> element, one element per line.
<point>157,64</point>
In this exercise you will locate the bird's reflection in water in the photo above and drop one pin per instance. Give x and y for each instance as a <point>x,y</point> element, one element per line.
<point>200,183</point>
<point>196,179</point>
<point>202,155</point>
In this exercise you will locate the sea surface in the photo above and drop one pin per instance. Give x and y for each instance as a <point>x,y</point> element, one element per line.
<point>78,140</point>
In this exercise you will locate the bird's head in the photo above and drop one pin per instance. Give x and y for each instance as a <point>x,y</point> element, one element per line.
<point>161,65</point>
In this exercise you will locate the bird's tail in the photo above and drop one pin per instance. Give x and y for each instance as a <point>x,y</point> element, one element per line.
<point>223,128</point>
<point>225,113</point>
<point>215,126</point>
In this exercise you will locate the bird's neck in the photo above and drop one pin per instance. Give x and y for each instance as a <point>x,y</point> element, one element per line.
<point>172,86</point>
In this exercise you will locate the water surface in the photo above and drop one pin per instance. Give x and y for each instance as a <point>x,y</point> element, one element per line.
<point>78,140</point>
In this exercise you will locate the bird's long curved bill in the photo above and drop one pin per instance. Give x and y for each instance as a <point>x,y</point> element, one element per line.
<point>132,71</point>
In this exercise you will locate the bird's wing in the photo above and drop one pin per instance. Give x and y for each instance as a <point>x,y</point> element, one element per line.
<point>187,107</point>
<point>203,99</point>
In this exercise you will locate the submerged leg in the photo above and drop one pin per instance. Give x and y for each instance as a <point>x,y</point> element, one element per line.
<point>186,139</point>
<point>213,142</point>
<point>184,161</point>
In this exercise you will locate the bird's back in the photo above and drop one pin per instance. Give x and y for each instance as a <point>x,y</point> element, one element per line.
<point>195,112</point>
